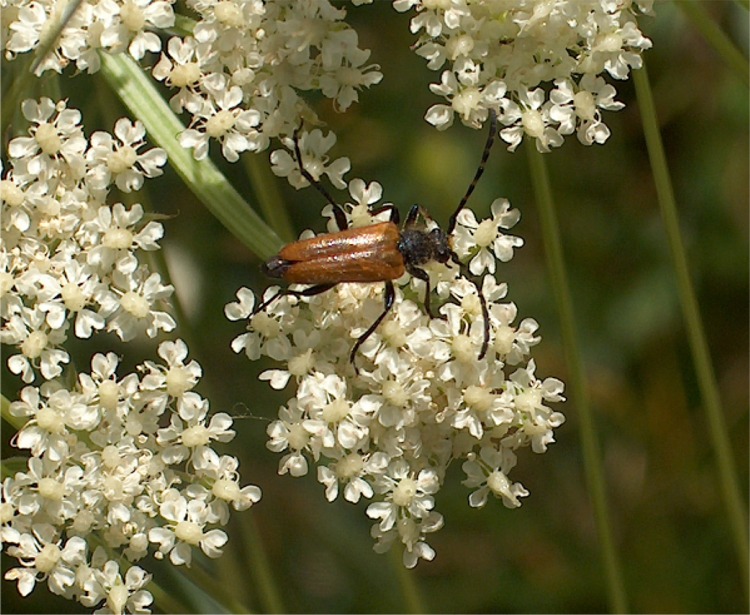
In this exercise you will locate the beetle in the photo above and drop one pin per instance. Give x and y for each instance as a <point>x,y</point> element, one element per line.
<point>381,252</point>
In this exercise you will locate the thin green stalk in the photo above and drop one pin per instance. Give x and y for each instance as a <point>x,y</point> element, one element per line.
<point>260,568</point>
<point>412,598</point>
<point>717,428</point>
<point>716,37</point>
<point>579,393</point>
<point>14,421</point>
<point>138,93</point>
<point>266,190</point>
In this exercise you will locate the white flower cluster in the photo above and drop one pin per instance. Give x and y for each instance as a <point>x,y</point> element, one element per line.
<point>102,472</point>
<point>66,255</point>
<point>419,398</point>
<point>117,466</point>
<point>536,62</point>
<point>240,74</point>
<point>107,25</point>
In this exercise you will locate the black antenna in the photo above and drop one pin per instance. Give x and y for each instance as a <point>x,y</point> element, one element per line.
<point>480,170</point>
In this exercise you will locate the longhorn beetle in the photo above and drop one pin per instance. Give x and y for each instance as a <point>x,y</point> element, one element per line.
<point>380,252</point>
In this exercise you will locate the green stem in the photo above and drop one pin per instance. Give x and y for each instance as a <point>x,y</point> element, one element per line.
<point>14,421</point>
<point>696,336</point>
<point>412,599</point>
<point>579,393</point>
<point>138,93</point>
<point>260,568</point>
<point>698,15</point>
<point>266,190</point>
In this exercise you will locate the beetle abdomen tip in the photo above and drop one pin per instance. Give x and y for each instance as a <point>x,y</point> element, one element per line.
<point>275,267</point>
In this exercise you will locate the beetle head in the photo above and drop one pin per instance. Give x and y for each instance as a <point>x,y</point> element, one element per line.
<point>440,245</point>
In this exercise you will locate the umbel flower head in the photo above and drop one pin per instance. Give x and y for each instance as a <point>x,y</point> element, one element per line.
<point>71,262</point>
<point>241,75</point>
<point>103,477</point>
<point>118,466</point>
<point>540,62</point>
<point>544,66</point>
<point>419,398</point>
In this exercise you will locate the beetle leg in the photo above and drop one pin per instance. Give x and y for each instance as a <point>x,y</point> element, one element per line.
<point>310,291</point>
<point>340,217</point>
<point>486,317</point>
<point>395,217</point>
<point>307,292</point>
<point>390,295</point>
<point>411,218</point>
<point>264,304</point>
<point>424,276</point>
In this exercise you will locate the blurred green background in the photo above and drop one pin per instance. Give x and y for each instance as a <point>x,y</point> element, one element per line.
<point>667,510</point>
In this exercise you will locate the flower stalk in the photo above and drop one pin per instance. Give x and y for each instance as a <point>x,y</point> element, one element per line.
<point>577,380</point>
<point>717,429</point>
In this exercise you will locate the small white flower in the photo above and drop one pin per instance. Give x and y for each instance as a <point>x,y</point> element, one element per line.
<point>530,116</point>
<point>45,557</point>
<point>121,595</point>
<point>185,529</point>
<point>223,472</point>
<point>129,26</point>
<point>577,107</point>
<point>120,160</point>
<point>410,532</point>
<point>47,430</point>
<point>38,344</point>
<point>489,473</point>
<point>354,471</point>
<point>112,237</point>
<point>481,409</point>
<point>223,118</point>
<point>347,76</point>
<point>136,310</point>
<point>287,433</point>
<point>313,148</point>
<point>469,101</point>
<point>56,137</point>
<point>406,494</point>
<point>486,236</point>
<point>183,67</point>
<point>176,378</point>
<point>191,438</point>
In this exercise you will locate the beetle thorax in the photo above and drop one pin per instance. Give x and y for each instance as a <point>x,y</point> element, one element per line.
<point>419,247</point>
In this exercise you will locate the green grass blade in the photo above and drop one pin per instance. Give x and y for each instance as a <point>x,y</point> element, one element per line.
<point>579,395</point>
<point>138,93</point>
<point>717,428</point>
